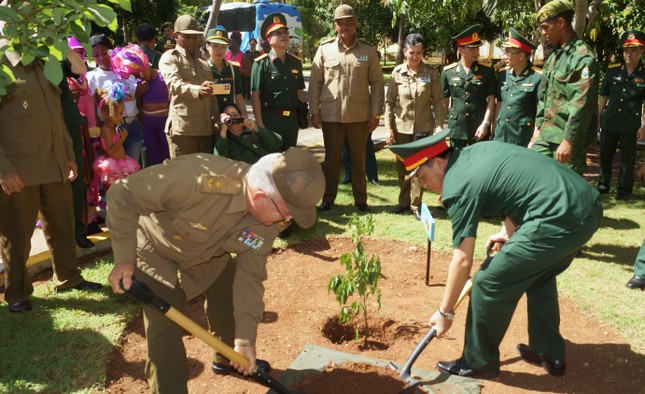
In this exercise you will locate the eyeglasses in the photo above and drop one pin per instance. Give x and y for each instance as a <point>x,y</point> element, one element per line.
<point>284,219</point>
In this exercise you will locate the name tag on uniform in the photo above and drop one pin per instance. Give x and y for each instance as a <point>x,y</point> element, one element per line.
<point>361,58</point>
<point>425,79</point>
<point>527,84</point>
<point>251,239</point>
<point>455,79</point>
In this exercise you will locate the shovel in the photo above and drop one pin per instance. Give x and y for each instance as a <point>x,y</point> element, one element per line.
<point>405,372</point>
<point>141,292</point>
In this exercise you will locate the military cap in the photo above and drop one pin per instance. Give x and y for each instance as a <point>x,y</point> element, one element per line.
<point>344,11</point>
<point>469,37</point>
<point>301,196</point>
<point>272,23</point>
<point>553,9</point>
<point>186,24</point>
<point>218,35</point>
<point>632,38</point>
<point>516,40</point>
<point>414,154</point>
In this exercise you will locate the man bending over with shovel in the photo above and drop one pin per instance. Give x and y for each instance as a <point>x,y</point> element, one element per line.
<point>177,224</point>
<point>550,213</point>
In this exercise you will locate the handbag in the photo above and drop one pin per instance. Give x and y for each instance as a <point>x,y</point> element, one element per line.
<point>303,115</point>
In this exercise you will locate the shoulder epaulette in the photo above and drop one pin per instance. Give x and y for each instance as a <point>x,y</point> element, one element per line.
<point>365,42</point>
<point>328,40</point>
<point>257,59</point>
<point>236,64</point>
<point>448,67</point>
<point>614,65</point>
<point>295,57</point>
<point>536,69</point>
<point>485,63</point>
<point>398,67</point>
<point>503,69</point>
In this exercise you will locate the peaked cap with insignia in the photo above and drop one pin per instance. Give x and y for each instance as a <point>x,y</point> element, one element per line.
<point>516,40</point>
<point>414,154</point>
<point>273,22</point>
<point>469,37</point>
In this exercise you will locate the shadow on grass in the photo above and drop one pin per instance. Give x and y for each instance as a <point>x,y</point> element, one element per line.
<point>618,224</point>
<point>611,253</point>
<point>40,354</point>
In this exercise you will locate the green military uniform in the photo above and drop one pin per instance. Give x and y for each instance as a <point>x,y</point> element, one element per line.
<point>35,144</point>
<point>191,118</point>
<point>518,95</point>
<point>229,76</point>
<point>413,108</point>
<point>278,84</point>
<point>639,263</point>
<point>622,118</point>
<point>189,225</point>
<point>165,44</point>
<point>74,122</point>
<point>250,146</point>
<point>153,55</point>
<point>568,102</point>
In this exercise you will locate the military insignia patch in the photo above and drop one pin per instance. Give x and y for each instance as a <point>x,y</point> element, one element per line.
<point>630,36</point>
<point>220,184</point>
<point>475,36</point>
<point>639,80</point>
<point>585,73</point>
<point>294,71</point>
<point>251,239</point>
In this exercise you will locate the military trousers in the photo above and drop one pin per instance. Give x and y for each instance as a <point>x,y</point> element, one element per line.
<point>410,191</point>
<point>578,161</point>
<point>18,213</point>
<point>639,262</point>
<point>526,264</point>
<point>335,135</point>
<point>78,185</point>
<point>167,364</point>
<point>371,167</point>
<point>180,145</point>
<point>286,126</point>
<point>609,142</point>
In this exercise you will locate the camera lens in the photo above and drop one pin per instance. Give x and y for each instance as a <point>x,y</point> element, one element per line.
<point>230,121</point>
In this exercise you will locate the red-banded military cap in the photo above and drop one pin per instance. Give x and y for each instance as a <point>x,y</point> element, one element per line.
<point>516,40</point>
<point>469,37</point>
<point>632,38</point>
<point>272,23</point>
<point>414,154</point>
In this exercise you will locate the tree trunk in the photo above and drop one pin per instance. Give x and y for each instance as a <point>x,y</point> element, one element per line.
<point>580,19</point>
<point>213,17</point>
<point>593,11</point>
<point>399,55</point>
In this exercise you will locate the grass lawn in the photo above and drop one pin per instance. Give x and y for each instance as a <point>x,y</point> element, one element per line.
<point>62,346</point>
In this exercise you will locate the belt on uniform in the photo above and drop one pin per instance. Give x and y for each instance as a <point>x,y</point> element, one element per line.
<point>280,111</point>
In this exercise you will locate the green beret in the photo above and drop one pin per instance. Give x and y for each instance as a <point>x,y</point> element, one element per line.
<point>414,154</point>
<point>553,9</point>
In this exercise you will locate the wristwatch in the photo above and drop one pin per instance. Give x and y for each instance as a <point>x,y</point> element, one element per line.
<point>446,315</point>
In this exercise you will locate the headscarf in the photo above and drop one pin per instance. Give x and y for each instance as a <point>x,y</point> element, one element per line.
<point>128,60</point>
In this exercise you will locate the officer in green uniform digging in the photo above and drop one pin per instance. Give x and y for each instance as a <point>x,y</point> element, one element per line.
<point>203,224</point>
<point>277,84</point>
<point>469,91</point>
<point>550,213</point>
<point>517,92</point>
<point>622,120</point>
<point>567,111</point>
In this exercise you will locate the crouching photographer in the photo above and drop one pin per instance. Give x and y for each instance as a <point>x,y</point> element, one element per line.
<point>241,139</point>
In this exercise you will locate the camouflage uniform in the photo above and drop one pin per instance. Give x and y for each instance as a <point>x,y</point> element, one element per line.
<point>568,102</point>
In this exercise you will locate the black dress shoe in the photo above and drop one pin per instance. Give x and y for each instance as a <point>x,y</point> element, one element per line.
<point>416,214</point>
<point>622,195</point>
<point>363,208</point>
<point>553,367</point>
<point>325,206</point>
<point>93,228</point>
<point>20,306</point>
<point>84,285</point>
<point>375,182</point>
<point>456,367</point>
<point>636,283</point>
<point>602,189</point>
<point>400,210</point>
<point>226,369</point>
<point>83,242</point>
<point>346,181</point>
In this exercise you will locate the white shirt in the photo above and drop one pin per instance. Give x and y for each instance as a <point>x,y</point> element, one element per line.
<point>100,78</point>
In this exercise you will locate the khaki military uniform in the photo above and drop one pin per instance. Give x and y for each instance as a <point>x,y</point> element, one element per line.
<point>568,105</point>
<point>181,233</point>
<point>413,108</point>
<point>35,144</point>
<point>620,121</point>
<point>191,118</point>
<point>346,88</point>
<point>518,95</point>
<point>468,92</point>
